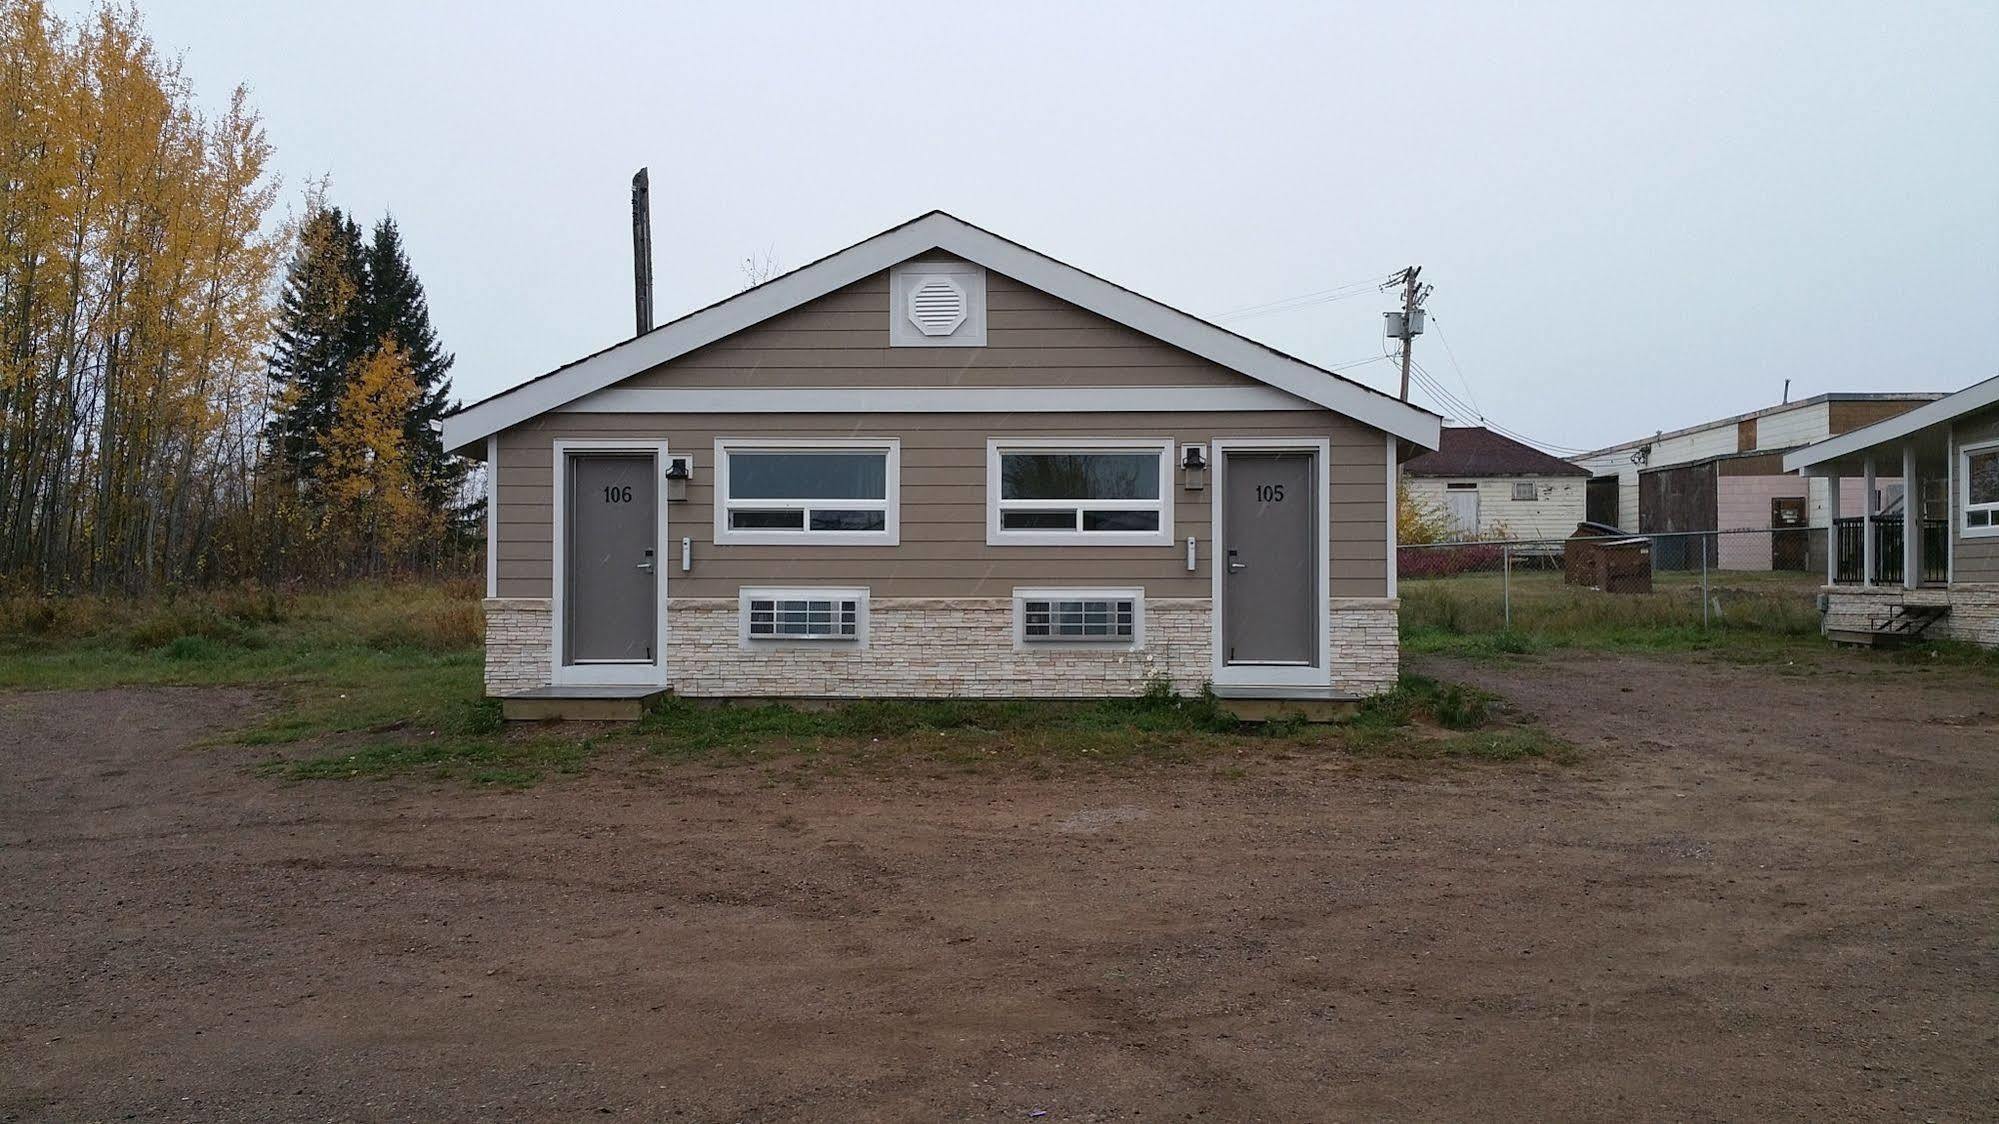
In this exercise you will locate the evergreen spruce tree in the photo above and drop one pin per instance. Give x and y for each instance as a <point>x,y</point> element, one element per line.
<point>392,307</point>
<point>314,347</point>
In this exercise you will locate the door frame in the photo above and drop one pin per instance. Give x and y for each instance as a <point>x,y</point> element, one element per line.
<point>605,674</point>
<point>1319,672</point>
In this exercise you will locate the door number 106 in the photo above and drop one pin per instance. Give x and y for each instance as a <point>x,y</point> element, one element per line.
<point>617,493</point>
<point>1270,493</point>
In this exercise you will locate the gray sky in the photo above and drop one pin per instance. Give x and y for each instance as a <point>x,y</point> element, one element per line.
<point>1637,216</point>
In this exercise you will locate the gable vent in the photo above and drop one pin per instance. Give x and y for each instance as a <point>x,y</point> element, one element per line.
<point>937,306</point>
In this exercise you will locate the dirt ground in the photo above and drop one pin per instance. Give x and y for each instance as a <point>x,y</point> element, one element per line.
<point>1768,893</point>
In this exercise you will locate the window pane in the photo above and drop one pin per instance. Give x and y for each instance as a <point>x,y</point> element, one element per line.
<point>1079,476</point>
<point>1978,519</point>
<point>1984,477</point>
<point>808,476</point>
<point>1038,520</point>
<point>759,520</point>
<point>849,520</point>
<point>1120,521</point>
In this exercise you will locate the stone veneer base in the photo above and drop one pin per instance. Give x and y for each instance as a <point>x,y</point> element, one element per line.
<point>1973,619</point>
<point>938,648</point>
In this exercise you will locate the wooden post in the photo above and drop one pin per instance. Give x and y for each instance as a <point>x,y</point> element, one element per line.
<point>1912,523</point>
<point>1867,524</point>
<point>1832,530</point>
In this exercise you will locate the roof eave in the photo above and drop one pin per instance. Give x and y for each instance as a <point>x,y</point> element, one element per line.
<point>1950,407</point>
<point>938,230</point>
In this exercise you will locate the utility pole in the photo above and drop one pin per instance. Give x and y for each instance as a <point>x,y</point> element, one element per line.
<point>1407,324</point>
<point>642,250</point>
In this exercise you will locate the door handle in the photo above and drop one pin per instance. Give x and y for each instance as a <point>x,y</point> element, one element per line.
<point>646,566</point>
<point>1235,565</point>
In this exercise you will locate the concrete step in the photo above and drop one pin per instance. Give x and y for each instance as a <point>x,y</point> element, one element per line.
<point>579,704</point>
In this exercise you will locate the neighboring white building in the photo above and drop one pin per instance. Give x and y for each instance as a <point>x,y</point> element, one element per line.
<point>1491,486</point>
<point>1615,471</point>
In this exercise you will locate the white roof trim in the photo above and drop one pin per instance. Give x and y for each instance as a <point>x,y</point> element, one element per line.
<point>1977,396</point>
<point>938,230</point>
<point>929,400</point>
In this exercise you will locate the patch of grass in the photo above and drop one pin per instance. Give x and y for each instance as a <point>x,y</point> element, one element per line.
<point>384,679</point>
<point>1466,614</point>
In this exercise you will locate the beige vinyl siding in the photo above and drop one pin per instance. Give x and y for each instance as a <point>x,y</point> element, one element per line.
<point>943,552</point>
<point>1977,559</point>
<point>1032,339</point>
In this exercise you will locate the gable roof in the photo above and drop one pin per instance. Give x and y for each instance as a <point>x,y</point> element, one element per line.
<point>1474,450</point>
<point>1977,396</point>
<point>939,231</point>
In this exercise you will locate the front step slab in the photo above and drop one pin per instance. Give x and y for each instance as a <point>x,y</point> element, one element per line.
<point>579,704</point>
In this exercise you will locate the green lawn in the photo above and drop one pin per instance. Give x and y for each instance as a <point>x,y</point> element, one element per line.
<point>380,680</point>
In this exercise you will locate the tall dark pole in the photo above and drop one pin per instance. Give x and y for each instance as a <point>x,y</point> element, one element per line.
<point>1412,299</point>
<point>642,251</point>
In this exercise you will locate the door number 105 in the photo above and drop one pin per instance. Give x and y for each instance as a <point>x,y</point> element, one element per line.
<point>1270,493</point>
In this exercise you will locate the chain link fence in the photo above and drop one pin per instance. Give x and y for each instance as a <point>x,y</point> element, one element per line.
<point>1597,585</point>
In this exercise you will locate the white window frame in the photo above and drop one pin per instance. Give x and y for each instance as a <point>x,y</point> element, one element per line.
<point>890,504</point>
<point>1533,491</point>
<point>747,594</point>
<point>1063,446</point>
<point>1133,594</point>
<point>1964,504</point>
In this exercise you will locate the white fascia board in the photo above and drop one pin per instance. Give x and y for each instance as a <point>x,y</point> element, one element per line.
<point>931,400</point>
<point>1189,333</point>
<point>941,231</point>
<point>1974,397</point>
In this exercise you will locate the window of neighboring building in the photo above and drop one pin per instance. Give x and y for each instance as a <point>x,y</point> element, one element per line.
<point>810,615</point>
<point>1524,490</point>
<point>1056,493</point>
<point>806,491</point>
<point>1078,616</point>
<point>1979,466</point>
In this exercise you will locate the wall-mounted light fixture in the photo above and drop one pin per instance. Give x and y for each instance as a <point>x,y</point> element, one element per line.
<point>1194,467</point>
<point>679,470</point>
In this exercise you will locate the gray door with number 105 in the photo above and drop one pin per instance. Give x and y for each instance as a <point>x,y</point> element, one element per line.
<point>609,572</point>
<point>1270,584</point>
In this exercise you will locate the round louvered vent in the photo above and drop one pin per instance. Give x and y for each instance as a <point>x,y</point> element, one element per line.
<point>937,306</point>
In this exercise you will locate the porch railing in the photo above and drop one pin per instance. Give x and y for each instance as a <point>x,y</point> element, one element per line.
<point>1848,541</point>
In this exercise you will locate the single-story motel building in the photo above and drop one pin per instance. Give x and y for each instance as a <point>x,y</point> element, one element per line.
<point>939,463</point>
<point>1943,581</point>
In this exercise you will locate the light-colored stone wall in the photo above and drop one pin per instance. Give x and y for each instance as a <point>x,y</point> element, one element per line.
<point>937,647</point>
<point>1974,610</point>
<point>1367,645</point>
<point>517,644</point>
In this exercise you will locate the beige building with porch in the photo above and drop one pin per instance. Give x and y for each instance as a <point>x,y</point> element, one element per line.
<point>1931,568</point>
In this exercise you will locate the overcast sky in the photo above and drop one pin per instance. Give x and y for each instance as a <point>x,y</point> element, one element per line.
<point>1636,218</point>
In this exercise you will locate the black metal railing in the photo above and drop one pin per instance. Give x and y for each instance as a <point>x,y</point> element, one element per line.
<point>1847,540</point>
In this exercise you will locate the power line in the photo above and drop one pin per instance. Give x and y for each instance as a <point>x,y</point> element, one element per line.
<point>1306,300</point>
<point>1451,352</point>
<point>1469,416</point>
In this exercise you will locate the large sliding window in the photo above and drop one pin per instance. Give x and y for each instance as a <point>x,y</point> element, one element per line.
<point>1979,466</point>
<point>1059,492</point>
<point>833,491</point>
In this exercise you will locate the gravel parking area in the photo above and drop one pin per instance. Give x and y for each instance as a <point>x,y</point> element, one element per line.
<point>1768,892</point>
